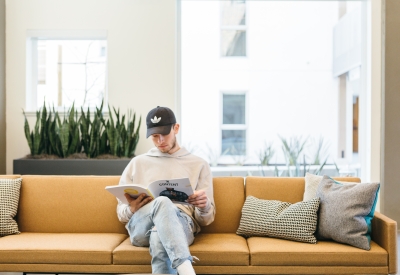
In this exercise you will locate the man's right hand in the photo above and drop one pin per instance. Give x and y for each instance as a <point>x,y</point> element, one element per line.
<point>136,204</point>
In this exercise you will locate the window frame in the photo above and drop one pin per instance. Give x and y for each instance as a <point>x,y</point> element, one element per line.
<point>225,158</point>
<point>232,28</point>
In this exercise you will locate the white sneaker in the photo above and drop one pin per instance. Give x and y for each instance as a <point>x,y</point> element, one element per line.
<point>186,268</point>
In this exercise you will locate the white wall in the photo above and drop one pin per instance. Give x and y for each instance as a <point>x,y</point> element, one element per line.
<point>390,173</point>
<point>141,54</point>
<point>373,133</point>
<point>2,88</point>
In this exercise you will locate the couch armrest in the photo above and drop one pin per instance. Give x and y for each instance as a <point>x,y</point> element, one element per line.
<point>384,233</point>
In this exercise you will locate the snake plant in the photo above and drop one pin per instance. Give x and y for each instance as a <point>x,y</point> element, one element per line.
<point>74,133</point>
<point>122,139</point>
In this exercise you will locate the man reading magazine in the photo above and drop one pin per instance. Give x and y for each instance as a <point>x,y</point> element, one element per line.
<point>164,226</point>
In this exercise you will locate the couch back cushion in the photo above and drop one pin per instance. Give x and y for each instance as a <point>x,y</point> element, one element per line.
<point>280,188</point>
<point>68,204</point>
<point>229,199</point>
<point>14,176</point>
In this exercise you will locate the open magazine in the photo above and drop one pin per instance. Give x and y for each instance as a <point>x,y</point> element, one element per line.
<point>178,190</point>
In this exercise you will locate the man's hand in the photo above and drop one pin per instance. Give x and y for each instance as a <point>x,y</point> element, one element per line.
<point>198,199</point>
<point>136,204</point>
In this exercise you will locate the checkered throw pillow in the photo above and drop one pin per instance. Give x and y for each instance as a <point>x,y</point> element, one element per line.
<point>9,197</point>
<point>272,218</point>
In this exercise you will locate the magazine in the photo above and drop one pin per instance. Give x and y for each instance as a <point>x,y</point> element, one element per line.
<point>178,190</point>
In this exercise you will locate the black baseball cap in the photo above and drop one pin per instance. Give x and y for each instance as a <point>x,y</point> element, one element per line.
<point>159,121</point>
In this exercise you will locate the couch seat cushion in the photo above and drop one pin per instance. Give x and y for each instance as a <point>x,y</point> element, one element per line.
<point>128,254</point>
<point>220,249</point>
<point>271,251</point>
<point>59,248</point>
<point>211,249</point>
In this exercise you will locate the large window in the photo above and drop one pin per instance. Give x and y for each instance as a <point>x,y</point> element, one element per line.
<point>64,72</point>
<point>304,75</point>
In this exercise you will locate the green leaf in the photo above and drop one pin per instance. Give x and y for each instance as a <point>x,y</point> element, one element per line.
<point>64,135</point>
<point>37,136</point>
<point>28,134</point>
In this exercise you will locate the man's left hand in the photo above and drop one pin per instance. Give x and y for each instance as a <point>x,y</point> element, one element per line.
<point>198,199</point>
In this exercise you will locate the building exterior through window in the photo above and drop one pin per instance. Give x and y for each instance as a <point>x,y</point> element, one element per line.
<point>265,74</point>
<point>66,72</point>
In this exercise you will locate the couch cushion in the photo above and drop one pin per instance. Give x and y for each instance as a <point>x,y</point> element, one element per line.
<point>9,197</point>
<point>229,199</point>
<point>59,248</point>
<point>220,249</point>
<point>273,252</point>
<point>211,249</point>
<point>66,204</point>
<point>281,188</point>
<point>276,188</point>
<point>128,254</point>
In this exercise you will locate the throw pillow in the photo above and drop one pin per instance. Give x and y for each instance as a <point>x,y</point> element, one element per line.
<point>311,184</point>
<point>9,198</point>
<point>346,212</point>
<point>278,219</point>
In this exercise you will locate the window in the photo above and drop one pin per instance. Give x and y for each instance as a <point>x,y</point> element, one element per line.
<point>233,127</point>
<point>41,78</point>
<point>66,72</point>
<point>233,28</point>
<point>305,62</point>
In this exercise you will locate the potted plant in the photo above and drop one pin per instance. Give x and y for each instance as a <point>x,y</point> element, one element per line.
<point>75,144</point>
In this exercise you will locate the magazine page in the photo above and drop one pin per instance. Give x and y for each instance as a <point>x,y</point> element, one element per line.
<point>178,190</point>
<point>132,189</point>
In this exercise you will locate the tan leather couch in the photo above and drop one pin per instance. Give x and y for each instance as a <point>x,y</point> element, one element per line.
<point>68,224</point>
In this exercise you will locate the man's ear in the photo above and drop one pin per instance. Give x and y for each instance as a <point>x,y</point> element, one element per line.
<point>176,128</point>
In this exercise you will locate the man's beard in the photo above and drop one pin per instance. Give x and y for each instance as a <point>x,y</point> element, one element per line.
<point>172,147</point>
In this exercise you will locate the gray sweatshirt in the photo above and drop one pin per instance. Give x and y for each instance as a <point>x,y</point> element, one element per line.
<point>155,165</point>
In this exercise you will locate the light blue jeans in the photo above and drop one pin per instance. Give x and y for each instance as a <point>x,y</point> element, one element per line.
<point>168,231</point>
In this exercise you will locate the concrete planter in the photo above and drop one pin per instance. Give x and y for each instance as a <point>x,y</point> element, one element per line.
<point>70,166</point>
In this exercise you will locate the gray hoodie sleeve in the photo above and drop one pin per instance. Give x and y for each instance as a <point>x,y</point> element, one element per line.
<point>123,212</point>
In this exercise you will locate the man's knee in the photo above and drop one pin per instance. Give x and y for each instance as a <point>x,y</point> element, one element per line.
<point>140,241</point>
<point>163,206</point>
<point>163,201</point>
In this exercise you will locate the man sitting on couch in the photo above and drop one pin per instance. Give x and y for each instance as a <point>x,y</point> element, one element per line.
<point>167,228</point>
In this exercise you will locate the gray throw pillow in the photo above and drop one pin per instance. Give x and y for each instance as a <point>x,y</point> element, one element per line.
<point>9,198</point>
<point>346,212</point>
<point>278,219</point>
<point>311,184</point>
